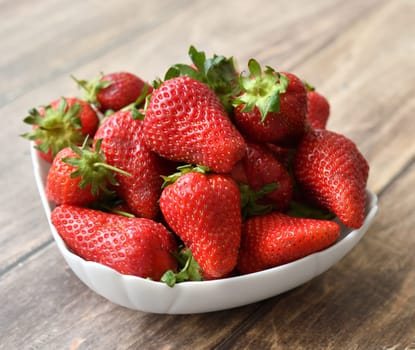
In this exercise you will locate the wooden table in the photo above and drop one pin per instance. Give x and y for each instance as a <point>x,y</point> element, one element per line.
<point>360,54</point>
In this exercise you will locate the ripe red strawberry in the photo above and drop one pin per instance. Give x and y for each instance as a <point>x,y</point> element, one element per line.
<point>185,121</point>
<point>131,246</point>
<point>333,174</point>
<point>112,91</point>
<point>79,176</point>
<point>318,109</point>
<point>261,168</point>
<point>204,211</point>
<point>274,239</point>
<point>282,154</point>
<point>272,107</point>
<point>63,122</point>
<point>124,148</point>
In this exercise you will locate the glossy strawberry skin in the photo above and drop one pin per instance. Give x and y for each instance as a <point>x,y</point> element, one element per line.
<point>124,89</point>
<point>333,174</point>
<point>318,110</point>
<point>61,188</point>
<point>284,128</point>
<point>274,239</point>
<point>131,246</point>
<point>260,168</point>
<point>48,156</point>
<point>282,154</point>
<point>186,122</point>
<point>204,211</point>
<point>124,148</point>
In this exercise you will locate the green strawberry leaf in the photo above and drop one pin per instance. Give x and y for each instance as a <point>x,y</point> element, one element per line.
<point>90,89</point>
<point>109,202</point>
<point>183,169</point>
<point>182,70</point>
<point>189,269</point>
<point>198,58</point>
<point>136,109</point>
<point>222,78</point>
<point>249,200</point>
<point>308,86</point>
<point>261,89</point>
<point>91,167</point>
<point>306,210</point>
<point>57,128</point>
<point>218,72</point>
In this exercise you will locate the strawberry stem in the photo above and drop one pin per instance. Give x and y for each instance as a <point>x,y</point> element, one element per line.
<point>112,168</point>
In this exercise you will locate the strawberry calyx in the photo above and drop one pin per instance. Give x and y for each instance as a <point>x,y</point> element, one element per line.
<point>183,169</point>
<point>261,89</point>
<point>218,72</point>
<point>91,167</point>
<point>92,87</point>
<point>306,210</point>
<point>189,269</point>
<point>56,128</point>
<point>250,205</point>
<point>111,203</point>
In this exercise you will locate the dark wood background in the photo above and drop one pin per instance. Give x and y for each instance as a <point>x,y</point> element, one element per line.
<point>360,54</point>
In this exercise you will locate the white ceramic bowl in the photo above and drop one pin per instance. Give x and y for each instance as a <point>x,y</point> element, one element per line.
<point>196,297</point>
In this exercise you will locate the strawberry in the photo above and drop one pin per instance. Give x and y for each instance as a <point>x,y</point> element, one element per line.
<point>261,168</point>
<point>124,147</point>
<point>131,246</point>
<point>274,239</point>
<point>112,91</point>
<point>57,125</point>
<point>282,154</point>
<point>318,108</point>
<point>186,122</point>
<point>204,211</point>
<point>333,174</point>
<point>79,176</point>
<point>272,107</point>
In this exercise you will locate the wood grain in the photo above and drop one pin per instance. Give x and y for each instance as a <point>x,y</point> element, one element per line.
<point>360,54</point>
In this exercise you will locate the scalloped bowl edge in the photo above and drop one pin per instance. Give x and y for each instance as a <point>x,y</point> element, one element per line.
<point>205,296</point>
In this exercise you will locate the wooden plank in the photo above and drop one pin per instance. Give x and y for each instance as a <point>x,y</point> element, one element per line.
<point>365,302</point>
<point>65,37</point>
<point>85,34</point>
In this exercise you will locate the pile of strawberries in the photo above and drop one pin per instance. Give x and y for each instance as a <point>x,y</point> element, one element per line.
<point>209,173</point>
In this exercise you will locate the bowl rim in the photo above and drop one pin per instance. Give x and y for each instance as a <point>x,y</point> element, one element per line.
<point>347,240</point>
